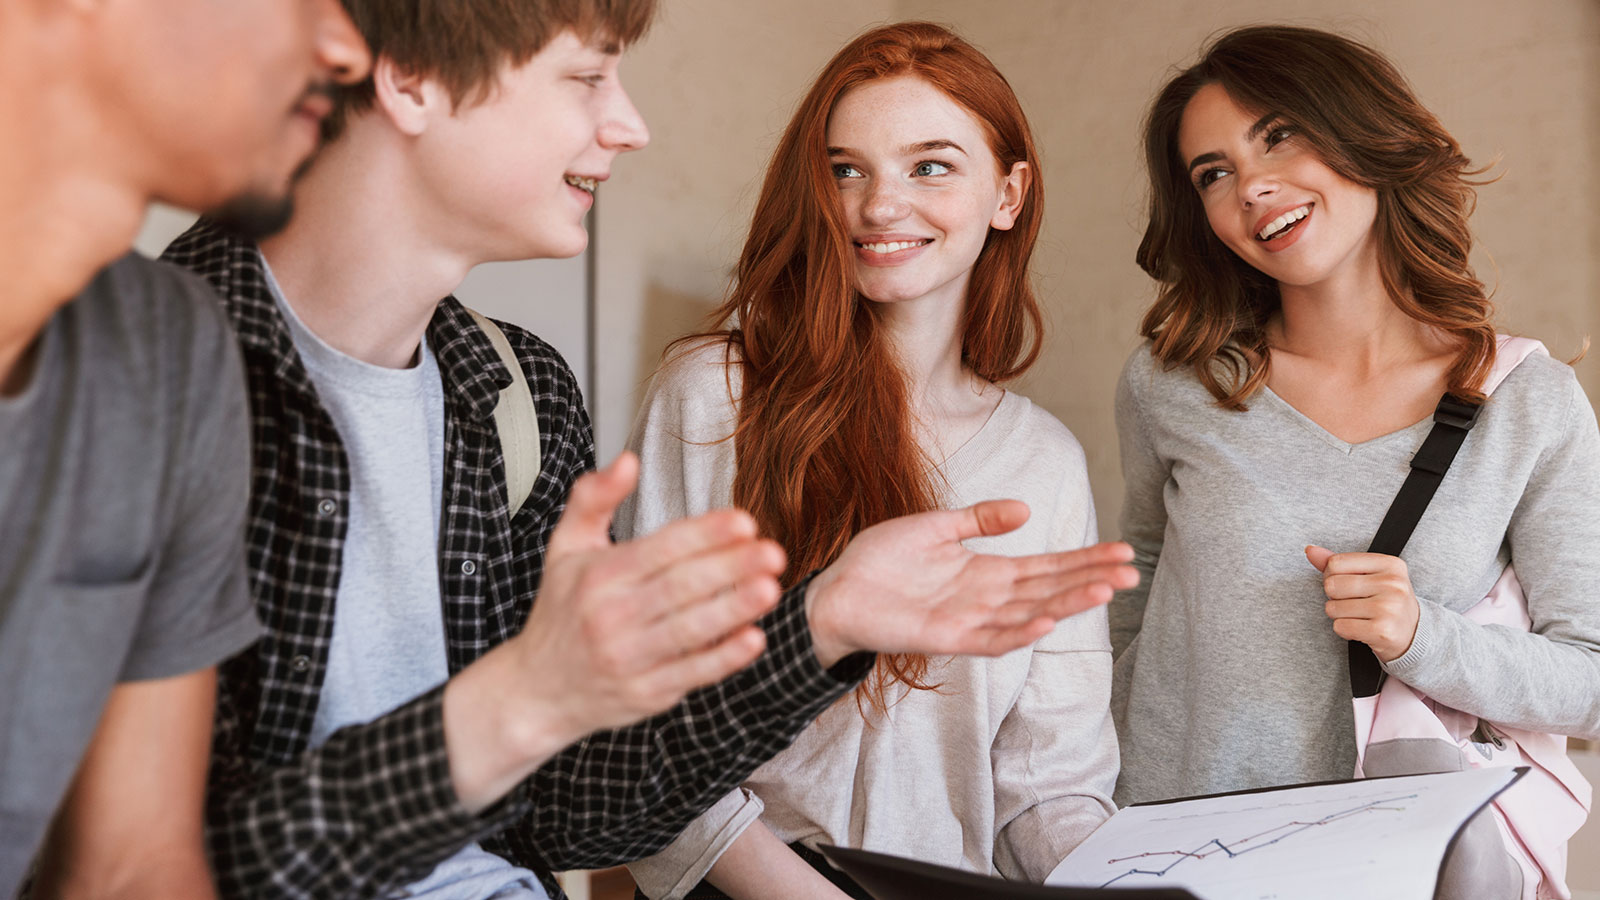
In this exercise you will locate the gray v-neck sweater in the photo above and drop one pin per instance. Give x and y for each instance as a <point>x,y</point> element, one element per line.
<point>1228,673</point>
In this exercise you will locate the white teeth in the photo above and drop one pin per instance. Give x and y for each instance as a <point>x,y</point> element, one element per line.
<point>582,183</point>
<point>1284,221</point>
<point>892,246</point>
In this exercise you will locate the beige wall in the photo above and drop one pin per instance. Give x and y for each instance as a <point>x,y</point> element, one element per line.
<point>717,80</point>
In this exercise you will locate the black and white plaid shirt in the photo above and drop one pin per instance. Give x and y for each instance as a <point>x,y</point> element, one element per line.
<point>373,808</point>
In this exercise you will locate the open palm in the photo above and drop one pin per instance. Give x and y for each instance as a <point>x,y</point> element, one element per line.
<point>909,586</point>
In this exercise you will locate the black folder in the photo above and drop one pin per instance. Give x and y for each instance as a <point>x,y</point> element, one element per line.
<point>897,878</point>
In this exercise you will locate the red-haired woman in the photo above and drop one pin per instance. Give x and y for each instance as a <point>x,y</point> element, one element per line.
<point>881,298</point>
<point>1308,227</point>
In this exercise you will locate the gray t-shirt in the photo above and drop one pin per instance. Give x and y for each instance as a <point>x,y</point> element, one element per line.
<point>388,627</point>
<point>1228,673</point>
<point>124,479</point>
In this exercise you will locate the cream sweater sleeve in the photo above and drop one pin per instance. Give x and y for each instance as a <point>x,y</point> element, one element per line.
<point>684,438</point>
<point>678,867</point>
<point>1055,755</point>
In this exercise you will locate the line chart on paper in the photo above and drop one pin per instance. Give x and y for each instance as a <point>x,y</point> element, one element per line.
<point>1146,863</point>
<point>1380,838</point>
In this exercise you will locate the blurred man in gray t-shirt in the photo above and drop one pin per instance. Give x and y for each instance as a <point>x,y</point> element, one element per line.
<point>123,437</point>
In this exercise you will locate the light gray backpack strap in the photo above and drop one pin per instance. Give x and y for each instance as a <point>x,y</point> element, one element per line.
<point>515,419</point>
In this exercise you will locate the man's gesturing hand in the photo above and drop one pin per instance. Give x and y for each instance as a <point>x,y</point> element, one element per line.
<point>619,632</point>
<point>909,586</point>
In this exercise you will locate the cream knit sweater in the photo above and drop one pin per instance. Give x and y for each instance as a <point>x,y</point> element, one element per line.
<point>1006,767</point>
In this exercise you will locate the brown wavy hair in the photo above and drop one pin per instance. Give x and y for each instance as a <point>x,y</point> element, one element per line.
<point>824,440</point>
<point>1356,110</point>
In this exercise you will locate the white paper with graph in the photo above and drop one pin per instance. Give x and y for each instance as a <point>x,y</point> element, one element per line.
<point>1375,839</point>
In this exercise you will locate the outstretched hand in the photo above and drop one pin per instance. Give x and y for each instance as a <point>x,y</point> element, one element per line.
<point>909,586</point>
<point>1370,599</point>
<point>619,632</point>
<point>637,625</point>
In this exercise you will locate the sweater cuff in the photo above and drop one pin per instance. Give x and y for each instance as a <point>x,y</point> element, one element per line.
<point>674,871</point>
<point>1407,664</point>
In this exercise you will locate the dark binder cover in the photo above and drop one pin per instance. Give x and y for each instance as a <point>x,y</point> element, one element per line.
<point>897,878</point>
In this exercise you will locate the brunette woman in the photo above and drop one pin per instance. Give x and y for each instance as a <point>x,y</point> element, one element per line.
<point>881,299</point>
<point>1308,227</point>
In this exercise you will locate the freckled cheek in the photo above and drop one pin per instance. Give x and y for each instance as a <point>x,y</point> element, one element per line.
<point>852,212</point>
<point>850,203</point>
<point>961,215</point>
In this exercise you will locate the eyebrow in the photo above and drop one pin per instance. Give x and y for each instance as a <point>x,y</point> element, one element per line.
<point>909,149</point>
<point>1250,136</point>
<point>1261,125</point>
<point>604,44</point>
<point>935,144</point>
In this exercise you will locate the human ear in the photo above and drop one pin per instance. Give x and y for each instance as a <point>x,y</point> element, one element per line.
<point>407,99</point>
<point>1013,191</point>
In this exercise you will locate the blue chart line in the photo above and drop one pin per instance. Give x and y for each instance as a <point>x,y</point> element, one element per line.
<point>1253,842</point>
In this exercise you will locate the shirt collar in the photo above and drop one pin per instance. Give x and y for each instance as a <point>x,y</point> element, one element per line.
<point>472,371</point>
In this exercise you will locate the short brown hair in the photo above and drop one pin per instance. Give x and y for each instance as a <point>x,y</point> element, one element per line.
<point>1356,110</point>
<point>464,43</point>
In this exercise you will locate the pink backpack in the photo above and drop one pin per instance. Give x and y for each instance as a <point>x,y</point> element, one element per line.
<point>1396,728</point>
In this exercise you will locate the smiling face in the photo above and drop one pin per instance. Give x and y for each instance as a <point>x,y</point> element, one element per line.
<point>512,177</point>
<point>223,100</point>
<point>1269,196</point>
<point>920,188</point>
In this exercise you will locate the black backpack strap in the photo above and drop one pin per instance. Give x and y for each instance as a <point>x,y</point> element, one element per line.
<point>1451,421</point>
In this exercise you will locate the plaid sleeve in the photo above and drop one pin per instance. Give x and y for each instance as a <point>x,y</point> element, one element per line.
<point>620,795</point>
<point>371,809</point>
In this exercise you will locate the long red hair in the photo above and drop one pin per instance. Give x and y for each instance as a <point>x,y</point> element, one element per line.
<point>824,440</point>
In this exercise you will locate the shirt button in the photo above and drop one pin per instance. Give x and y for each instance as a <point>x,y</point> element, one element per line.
<point>468,567</point>
<point>327,507</point>
<point>300,663</point>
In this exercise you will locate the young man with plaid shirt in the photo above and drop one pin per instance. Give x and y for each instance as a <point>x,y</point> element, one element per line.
<point>413,720</point>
